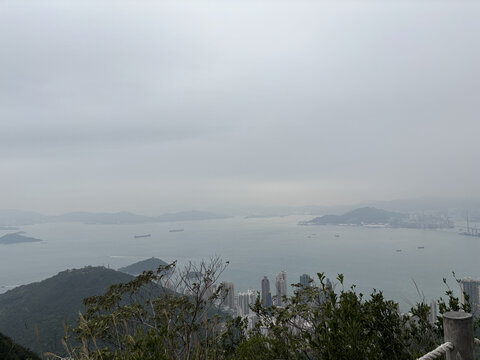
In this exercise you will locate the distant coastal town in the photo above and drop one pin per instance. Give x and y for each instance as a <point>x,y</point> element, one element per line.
<point>373,217</point>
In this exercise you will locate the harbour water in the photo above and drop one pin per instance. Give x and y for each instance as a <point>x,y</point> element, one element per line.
<point>255,247</point>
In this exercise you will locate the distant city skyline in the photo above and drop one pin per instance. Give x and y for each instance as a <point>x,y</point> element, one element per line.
<point>240,303</point>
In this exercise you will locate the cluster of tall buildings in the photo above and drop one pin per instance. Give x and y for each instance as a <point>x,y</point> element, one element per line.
<point>280,287</point>
<point>270,294</point>
<point>240,304</point>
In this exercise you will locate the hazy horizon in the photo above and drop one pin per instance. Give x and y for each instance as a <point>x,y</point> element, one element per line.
<point>162,107</point>
<point>406,205</point>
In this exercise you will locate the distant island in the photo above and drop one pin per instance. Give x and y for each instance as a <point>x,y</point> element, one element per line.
<point>373,217</point>
<point>16,238</point>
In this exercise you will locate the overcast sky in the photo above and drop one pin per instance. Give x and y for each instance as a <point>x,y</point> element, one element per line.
<point>162,106</point>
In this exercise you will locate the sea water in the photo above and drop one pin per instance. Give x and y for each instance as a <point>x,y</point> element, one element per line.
<point>255,247</point>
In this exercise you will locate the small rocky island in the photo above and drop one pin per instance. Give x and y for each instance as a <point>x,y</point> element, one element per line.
<point>16,238</point>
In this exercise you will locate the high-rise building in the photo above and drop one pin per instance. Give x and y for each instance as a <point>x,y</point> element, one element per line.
<point>269,302</point>
<point>265,291</point>
<point>471,288</point>
<point>305,280</point>
<point>245,299</point>
<point>322,297</point>
<point>432,316</point>
<point>228,294</point>
<point>281,287</point>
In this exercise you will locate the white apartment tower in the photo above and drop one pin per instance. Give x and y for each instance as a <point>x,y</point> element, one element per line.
<point>245,299</point>
<point>228,294</point>
<point>281,287</point>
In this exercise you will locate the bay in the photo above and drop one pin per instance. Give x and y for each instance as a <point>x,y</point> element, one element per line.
<point>255,247</point>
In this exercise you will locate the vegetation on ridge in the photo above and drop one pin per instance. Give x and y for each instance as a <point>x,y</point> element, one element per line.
<point>316,323</point>
<point>33,315</point>
<point>12,351</point>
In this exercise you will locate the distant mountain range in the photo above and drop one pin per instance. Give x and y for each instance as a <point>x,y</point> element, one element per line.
<point>190,215</point>
<point>9,218</point>
<point>454,207</point>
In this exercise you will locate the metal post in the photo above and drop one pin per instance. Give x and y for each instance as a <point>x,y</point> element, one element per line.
<point>458,329</point>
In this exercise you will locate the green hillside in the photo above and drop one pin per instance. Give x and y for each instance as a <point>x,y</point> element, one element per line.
<point>12,351</point>
<point>46,305</point>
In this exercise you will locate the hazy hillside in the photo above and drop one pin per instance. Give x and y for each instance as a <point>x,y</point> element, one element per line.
<point>144,265</point>
<point>20,217</point>
<point>456,207</point>
<point>366,215</point>
<point>122,217</point>
<point>190,215</point>
<point>49,303</point>
<point>9,350</point>
<point>9,218</point>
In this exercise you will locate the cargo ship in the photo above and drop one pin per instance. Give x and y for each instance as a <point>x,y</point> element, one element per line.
<point>142,236</point>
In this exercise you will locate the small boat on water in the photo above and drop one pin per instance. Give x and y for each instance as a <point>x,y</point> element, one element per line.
<point>336,235</point>
<point>420,247</point>
<point>176,230</point>
<point>398,250</point>
<point>142,236</point>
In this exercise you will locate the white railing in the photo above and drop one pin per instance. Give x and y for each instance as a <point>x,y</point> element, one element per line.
<point>458,335</point>
<point>439,351</point>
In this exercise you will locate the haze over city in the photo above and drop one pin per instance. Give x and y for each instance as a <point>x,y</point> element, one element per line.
<point>165,106</point>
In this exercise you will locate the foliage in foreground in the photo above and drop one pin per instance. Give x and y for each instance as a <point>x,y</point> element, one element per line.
<point>169,314</point>
<point>9,350</point>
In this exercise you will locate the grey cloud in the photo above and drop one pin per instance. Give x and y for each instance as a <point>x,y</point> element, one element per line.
<point>228,101</point>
